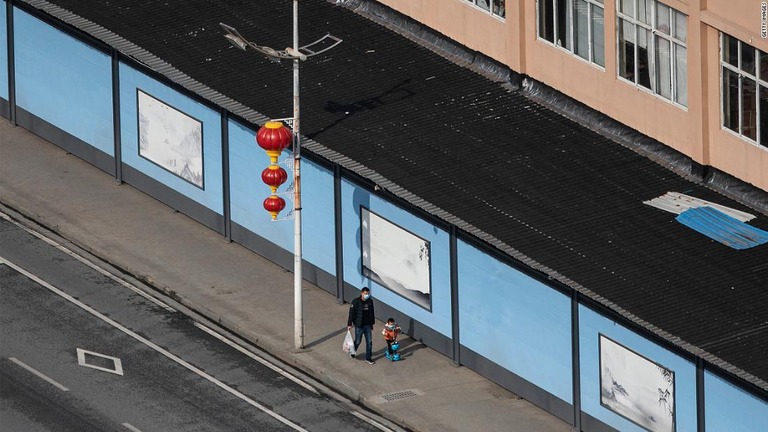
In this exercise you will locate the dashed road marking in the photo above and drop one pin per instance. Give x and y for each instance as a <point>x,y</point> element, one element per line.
<point>155,347</point>
<point>38,373</point>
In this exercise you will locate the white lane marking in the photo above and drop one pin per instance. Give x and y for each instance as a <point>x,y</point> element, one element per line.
<point>88,263</point>
<point>266,363</point>
<point>371,421</point>
<point>118,369</point>
<point>154,346</point>
<point>131,427</point>
<point>39,374</point>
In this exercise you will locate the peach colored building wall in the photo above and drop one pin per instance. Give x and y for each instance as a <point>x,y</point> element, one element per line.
<point>468,25</point>
<point>694,130</point>
<point>739,18</point>
<point>604,91</point>
<point>727,151</point>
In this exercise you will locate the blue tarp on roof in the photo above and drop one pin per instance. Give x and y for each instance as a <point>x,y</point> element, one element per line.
<point>723,228</point>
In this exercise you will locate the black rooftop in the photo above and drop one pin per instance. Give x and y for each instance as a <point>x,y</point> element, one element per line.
<point>477,152</point>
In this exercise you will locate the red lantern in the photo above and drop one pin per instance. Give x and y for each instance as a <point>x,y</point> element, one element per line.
<point>274,137</point>
<point>274,176</point>
<point>274,205</point>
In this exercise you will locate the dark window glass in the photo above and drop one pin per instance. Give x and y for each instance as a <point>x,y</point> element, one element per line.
<point>563,24</point>
<point>730,50</point>
<point>499,8</point>
<point>730,100</point>
<point>627,50</point>
<point>764,116</point>
<point>643,65</point>
<point>748,59</point>
<point>748,108</point>
<point>546,20</point>
<point>763,66</point>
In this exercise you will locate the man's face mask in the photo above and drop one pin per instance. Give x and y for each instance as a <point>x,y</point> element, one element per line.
<point>366,296</point>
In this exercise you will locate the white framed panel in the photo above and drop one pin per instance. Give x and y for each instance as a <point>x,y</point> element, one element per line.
<point>636,388</point>
<point>170,138</point>
<point>395,258</point>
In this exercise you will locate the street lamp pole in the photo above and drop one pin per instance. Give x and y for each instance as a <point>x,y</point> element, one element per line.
<point>296,53</point>
<point>298,303</point>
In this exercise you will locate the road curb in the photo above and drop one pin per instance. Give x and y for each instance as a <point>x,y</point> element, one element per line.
<point>147,284</point>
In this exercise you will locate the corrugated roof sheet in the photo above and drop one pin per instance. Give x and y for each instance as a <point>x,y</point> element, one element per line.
<point>473,151</point>
<point>723,228</point>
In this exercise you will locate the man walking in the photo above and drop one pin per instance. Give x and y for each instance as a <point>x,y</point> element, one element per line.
<point>362,317</point>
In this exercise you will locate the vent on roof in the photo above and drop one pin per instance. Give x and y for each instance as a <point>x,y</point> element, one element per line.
<point>723,228</point>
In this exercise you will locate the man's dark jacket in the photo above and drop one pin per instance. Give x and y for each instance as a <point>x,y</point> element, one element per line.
<point>356,315</point>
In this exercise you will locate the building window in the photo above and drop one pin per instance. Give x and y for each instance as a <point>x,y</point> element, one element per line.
<point>652,50</point>
<point>575,25</point>
<point>745,89</point>
<point>495,7</point>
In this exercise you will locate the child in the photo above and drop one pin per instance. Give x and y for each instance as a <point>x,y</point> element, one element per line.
<point>390,332</point>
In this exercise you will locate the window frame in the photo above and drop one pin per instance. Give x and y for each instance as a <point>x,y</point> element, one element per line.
<point>570,45</point>
<point>761,82</point>
<point>653,31</point>
<point>490,10</point>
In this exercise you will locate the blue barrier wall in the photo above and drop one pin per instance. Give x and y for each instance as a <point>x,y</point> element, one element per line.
<point>3,53</point>
<point>130,81</point>
<point>247,192</point>
<point>511,319</point>
<point>63,81</point>
<point>318,233</point>
<point>515,321</point>
<point>729,408</point>
<point>355,197</point>
<point>591,326</point>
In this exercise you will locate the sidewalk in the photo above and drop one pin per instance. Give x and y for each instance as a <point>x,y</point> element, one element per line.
<point>245,293</point>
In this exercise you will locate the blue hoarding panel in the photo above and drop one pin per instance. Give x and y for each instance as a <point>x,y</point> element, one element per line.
<point>63,81</point>
<point>515,321</point>
<point>729,408</point>
<point>248,191</point>
<point>403,259</point>
<point>631,383</point>
<point>171,138</point>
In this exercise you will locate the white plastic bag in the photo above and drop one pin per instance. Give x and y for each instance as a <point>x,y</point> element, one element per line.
<point>349,344</point>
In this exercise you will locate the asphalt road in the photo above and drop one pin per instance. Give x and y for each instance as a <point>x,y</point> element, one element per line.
<point>81,351</point>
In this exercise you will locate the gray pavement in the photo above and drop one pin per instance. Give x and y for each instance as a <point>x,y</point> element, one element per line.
<point>245,293</point>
